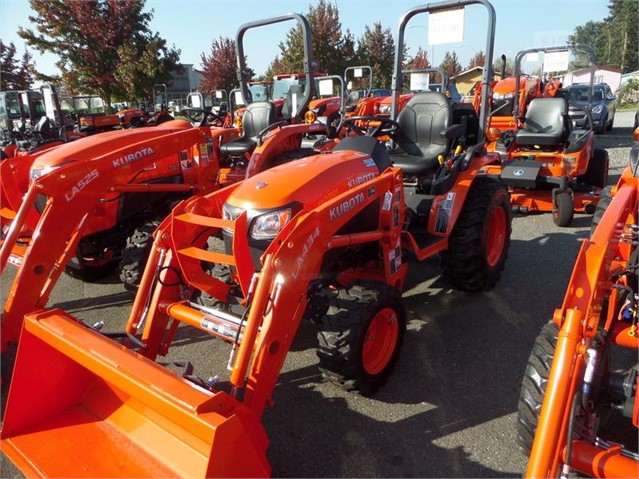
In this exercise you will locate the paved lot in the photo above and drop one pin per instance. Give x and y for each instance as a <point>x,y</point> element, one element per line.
<point>449,409</point>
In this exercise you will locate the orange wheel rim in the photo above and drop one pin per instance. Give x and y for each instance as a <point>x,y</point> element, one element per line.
<point>496,238</point>
<point>380,341</point>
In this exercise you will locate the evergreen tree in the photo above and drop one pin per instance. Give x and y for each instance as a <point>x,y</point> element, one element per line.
<point>376,48</point>
<point>450,64</point>
<point>14,74</point>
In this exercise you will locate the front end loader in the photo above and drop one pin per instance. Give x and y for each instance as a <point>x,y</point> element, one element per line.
<point>573,383</point>
<point>324,238</point>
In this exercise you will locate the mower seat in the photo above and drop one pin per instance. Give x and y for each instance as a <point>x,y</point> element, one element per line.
<point>257,116</point>
<point>421,135</point>
<point>545,124</point>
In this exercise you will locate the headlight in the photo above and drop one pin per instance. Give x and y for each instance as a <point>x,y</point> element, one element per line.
<point>597,109</point>
<point>384,109</point>
<point>36,173</point>
<point>268,225</point>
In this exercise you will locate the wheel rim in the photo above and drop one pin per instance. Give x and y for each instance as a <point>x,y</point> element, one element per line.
<point>496,238</point>
<point>380,341</point>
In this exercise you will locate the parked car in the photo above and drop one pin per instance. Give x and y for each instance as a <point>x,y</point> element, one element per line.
<point>604,105</point>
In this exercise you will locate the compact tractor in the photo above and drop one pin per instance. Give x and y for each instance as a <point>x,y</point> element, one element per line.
<point>89,206</point>
<point>324,238</point>
<point>573,385</point>
<point>549,164</point>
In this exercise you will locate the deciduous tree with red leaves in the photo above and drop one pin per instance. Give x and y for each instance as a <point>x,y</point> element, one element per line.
<point>219,69</point>
<point>104,47</point>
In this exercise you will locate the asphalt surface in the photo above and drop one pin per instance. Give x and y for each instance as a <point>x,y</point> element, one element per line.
<point>449,409</point>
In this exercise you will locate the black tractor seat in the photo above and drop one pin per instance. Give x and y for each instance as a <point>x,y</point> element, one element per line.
<point>257,116</point>
<point>546,123</point>
<point>423,133</point>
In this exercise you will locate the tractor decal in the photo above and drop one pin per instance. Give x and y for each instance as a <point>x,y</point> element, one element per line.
<point>131,157</point>
<point>80,185</point>
<point>346,206</point>
<point>308,244</point>
<point>353,182</point>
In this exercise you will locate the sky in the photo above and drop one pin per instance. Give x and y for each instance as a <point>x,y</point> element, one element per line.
<point>192,25</point>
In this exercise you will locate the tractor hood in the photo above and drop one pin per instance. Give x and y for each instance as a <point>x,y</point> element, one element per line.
<point>95,146</point>
<point>307,182</point>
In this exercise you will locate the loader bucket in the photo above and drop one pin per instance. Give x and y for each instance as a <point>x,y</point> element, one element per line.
<point>82,405</point>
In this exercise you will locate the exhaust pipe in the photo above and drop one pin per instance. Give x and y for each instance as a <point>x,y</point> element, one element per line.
<point>82,405</point>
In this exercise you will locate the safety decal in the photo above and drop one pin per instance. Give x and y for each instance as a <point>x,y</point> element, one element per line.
<point>395,258</point>
<point>443,215</point>
<point>388,201</point>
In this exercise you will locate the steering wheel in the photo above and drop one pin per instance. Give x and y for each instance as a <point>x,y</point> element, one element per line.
<point>384,126</point>
<point>198,115</point>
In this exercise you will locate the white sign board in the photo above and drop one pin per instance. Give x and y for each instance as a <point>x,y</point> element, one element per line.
<point>219,94</point>
<point>358,73</point>
<point>238,98</point>
<point>446,27</point>
<point>325,87</point>
<point>194,101</point>
<point>532,57</point>
<point>419,81</point>
<point>556,62</point>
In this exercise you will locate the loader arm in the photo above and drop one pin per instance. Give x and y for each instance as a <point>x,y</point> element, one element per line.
<point>579,319</point>
<point>277,294</point>
<point>72,192</point>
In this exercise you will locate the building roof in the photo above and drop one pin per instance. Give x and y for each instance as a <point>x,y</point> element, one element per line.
<point>470,72</point>
<point>608,69</point>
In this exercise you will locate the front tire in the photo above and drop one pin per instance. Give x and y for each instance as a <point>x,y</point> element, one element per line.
<point>533,387</point>
<point>361,336</point>
<point>563,209</point>
<point>478,244</point>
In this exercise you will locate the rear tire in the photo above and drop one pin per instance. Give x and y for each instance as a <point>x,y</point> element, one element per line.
<point>533,387</point>
<point>602,205</point>
<point>361,336</point>
<point>563,209</point>
<point>478,244</point>
<point>135,255</point>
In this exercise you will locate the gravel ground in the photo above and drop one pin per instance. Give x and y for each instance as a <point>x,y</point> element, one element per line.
<point>449,409</point>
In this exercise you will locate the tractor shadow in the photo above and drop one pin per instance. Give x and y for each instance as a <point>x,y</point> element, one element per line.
<point>458,376</point>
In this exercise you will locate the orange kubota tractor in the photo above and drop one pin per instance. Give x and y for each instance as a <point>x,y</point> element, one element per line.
<point>549,164</point>
<point>573,382</point>
<point>136,190</point>
<point>322,238</point>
